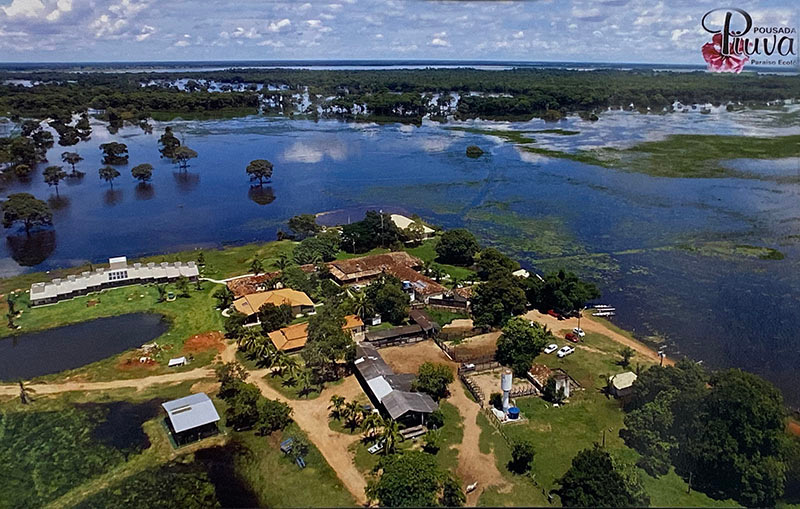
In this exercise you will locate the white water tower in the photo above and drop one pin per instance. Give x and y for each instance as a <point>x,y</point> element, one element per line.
<point>506,382</point>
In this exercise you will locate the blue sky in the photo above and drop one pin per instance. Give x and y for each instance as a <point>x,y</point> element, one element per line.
<point>581,30</point>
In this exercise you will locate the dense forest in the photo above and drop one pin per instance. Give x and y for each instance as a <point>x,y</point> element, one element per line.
<point>396,94</point>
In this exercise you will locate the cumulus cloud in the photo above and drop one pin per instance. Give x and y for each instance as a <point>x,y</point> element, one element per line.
<point>276,26</point>
<point>145,32</point>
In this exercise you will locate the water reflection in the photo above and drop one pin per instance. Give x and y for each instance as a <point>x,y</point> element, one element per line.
<point>33,249</point>
<point>112,197</point>
<point>187,182</point>
<point>58,202</point>
<point>313,151</point>
<point>261,195</point>
<point>144,191</point>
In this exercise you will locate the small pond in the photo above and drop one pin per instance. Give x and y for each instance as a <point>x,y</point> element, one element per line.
<point>72,346</point>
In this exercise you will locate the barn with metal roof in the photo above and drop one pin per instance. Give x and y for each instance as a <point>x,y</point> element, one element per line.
<point>191,417</point>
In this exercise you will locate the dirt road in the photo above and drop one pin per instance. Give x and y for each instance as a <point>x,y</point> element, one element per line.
<point>312,417</point>
<point>473,465</point>
<point>590,325</point>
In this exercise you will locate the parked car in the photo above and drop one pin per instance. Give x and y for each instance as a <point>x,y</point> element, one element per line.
<point>554,314</point>
<point>579,332</point>
<point>572,337</point>
<point>551,348</point>
<point>564,351</point>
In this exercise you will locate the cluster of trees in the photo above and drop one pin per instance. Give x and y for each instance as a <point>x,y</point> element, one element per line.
<point>434,379</point>
<point>413,479</point>
<point>375,230</point>
<point>724,432</point>
<point>597,479</point>
<point>247,408</point>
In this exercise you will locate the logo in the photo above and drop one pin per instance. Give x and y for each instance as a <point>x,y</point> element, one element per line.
<point>736,40</point>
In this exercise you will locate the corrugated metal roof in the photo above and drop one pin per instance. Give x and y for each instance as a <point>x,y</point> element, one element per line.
<point>399,403</point>
<point>191,412</point>
<point>380,387</point>
<point>394,332</point>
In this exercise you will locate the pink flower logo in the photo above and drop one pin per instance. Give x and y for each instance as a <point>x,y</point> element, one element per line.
<point>717,62</point>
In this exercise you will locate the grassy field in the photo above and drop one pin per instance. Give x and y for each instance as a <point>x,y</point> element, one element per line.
<point>108,449</point>
<point>427,253</point>
<point>558,433</point>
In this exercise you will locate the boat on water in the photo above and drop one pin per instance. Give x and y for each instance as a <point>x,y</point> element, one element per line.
<point>601,306</point>
<point>604,313</point>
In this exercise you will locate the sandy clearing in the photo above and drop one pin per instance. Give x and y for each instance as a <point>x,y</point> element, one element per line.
<point>408,358</point>
<point>312,417</point>
<point>590,325</point>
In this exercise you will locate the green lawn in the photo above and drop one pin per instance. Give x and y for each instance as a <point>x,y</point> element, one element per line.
<point>443,316</point>
<point>427,253</point>
<point>188,316</point>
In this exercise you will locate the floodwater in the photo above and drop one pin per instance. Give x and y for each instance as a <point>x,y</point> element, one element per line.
<point>663,250</point>
<point>72,346</point>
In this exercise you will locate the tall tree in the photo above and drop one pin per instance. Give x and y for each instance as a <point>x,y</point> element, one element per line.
<point>304,225</point>
<point>53,175</point>
<point>327,343</point>
<point>434,379</point>
<point>457,247</point>
<point>274,317</point>
<point>260,170</point>
<point>388,298</point>
<point>497,300</point>
<point>520,343</point>
<point>71,158</point>
<point>182,155</point>
<point>108,173</point>
<point>142,172</point>
<point>26,209</point>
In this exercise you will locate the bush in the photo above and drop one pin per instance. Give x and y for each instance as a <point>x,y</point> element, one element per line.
<point>551,394</point>
<point>433,379</point>
<point>436,419</point>
<point>496,400</point>
<point>522,453</point>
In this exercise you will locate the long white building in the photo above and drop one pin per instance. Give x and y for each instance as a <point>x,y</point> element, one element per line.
<point>118,273</point>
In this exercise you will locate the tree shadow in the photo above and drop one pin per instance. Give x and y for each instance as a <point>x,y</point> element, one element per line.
<point>187,182</point>
<point>261,195</point>
<point>144,191</point>
<point>112,197</point>
<point>31,250</point>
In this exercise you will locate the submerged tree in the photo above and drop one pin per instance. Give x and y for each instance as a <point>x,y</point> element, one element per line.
<point>26,209</point>
<point>181,156</point>
<point>168,143</point>
<point>53,175</point>
<point>108,173</point>
<point>72,158</point>
<point>259,169</point>
<point>114,153</point>
<point>142,172</point>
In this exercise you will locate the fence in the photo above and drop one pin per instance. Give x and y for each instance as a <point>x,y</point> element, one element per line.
<point>383,343</point>
<point>476,391</point>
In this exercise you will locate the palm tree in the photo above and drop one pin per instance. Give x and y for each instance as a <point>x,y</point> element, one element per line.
<point>438,272</point>
<point>371,424</point>
<point>336,407</point>
<point>362,305</point>
<point>286,364</point>
<point>352,415</point>
<point>162,292</point>
<point>25,393</point>
<point>390,434</point>
<point>256,266</point>
<point>247,340</point>
<point>306,382</point>
<point>283,261</point>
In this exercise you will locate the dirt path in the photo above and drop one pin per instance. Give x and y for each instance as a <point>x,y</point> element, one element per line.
<point>473,465</point>
<point>590,325</point>
<point>226,355</point>
<point>312,417</point>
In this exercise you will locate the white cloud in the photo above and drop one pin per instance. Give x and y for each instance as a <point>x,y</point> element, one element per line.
<point>24,8</point>
<point>182,44</point>
<point>247,34</point>
<point>438,41</point>
<point>145,32</point>
<point>314,23</point>
<point>518,35</point>
<point>270,42</point>
<point>276,26</point>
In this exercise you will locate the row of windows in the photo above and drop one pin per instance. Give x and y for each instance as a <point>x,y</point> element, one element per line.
<point>116,276</point>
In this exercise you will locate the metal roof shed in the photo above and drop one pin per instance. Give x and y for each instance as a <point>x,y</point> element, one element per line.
<point>191,412</point>
<point>399,403</point>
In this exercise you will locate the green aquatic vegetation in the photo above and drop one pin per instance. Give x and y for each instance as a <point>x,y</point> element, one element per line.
<point>518,137</point>
<point>686,155</point>
<point>730,251</point>
<point>562,132</point>
<point>546,236</point>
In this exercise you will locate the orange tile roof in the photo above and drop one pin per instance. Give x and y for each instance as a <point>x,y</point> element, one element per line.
<point>291,337</point>
<point>251,303</point>
<point>296,336</point>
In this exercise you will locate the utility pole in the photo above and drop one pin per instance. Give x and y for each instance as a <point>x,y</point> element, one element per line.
<point>382,236</point>
<point>689,489</point>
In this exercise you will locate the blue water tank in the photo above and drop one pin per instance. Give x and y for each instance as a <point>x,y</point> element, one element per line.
<point>513,413</point>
